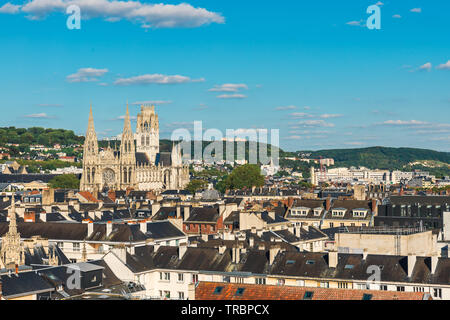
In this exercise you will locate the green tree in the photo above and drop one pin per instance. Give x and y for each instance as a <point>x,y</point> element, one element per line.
<point>246,176</point>
<point>195,185</point>
<point>65,181</point>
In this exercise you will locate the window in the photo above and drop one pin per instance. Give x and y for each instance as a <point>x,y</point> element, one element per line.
<point>164,276</point>
<point>383,287</point>
<point>290,261</point>
<point>301,283</point>
<point>310,261</point>
<point>419,289</point>
<point>240,291</point>
<point>195,278</point>
<point>180,277</point>
<point>160,293</point>
<point>260,280</point>
<point>239,280</point>
<point>308,295</point>
<point>362,286</point>
<point>324,284</point>
<point>280,282</point>
<point>218,290</point>
<point>343,285</point>
<point>437,292</point>
<point>400,288</point>
<point>349,266</point>
<point>160,276</point>
<point>76,246</point>
<point>331,224</point>
<point>167,294</point>
<point>226,279</point>
<point>181,295</point>
<point>60,245</point>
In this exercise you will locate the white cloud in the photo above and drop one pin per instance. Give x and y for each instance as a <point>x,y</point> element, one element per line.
<point>285,108</point>
<point>86,75</point>
<point>123,117</point>
<point>229,87</point>
<point>379,3</point>
<point>157,102</point>
<point>155,78</point>
<point>404,122</point>
<point>10,8</point>
<point>416,10</point>
<point>148,15</point>
<point>396,16</point>
<point>329,116</point>
<point>444,66</point>
<point>232,96</point>
<point>355,23</point>
<point>354,143</point>
<point>427,66</point>
<point>315,123</point>
<point>38,116</point>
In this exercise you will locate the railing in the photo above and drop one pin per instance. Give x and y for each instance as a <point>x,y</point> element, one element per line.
<point>381,230</point>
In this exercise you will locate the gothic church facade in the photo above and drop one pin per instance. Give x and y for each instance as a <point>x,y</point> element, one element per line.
<point>137,164</point>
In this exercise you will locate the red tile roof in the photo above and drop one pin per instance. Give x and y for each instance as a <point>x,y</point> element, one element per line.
<point>88,196</point>
<point>205,291</point>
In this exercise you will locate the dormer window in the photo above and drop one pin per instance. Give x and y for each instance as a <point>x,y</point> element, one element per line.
<point>317,212</point>
<point>300,211</point>
<point>338,212</point>
<point>359,213</point>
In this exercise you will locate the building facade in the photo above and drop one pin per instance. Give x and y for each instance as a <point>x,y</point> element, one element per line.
<point>136,164</point>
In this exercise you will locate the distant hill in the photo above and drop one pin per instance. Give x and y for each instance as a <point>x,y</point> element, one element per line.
<point>381,157</point>
<point>404,159</point>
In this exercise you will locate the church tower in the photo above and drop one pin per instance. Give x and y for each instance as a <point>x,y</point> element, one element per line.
<point>90,176</point>
<point>127,156</point>
<point>12,252</point>
<point>147,132</point>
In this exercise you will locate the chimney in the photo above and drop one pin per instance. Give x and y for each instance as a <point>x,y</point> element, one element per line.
<point>251,242</point>
<point>328,204</point>
<point>365,253</point>
<point>120,252</point>
<point>205,237</point>
<point>155,207</point>
<point>143,226</point>
<point>236,254</point>
<point>411,263</point>
<point>434,263</point>
<point>178,212</point>
<point>17,268</point>
<point>272,214</point>
<point>90,228</point>
<point>332,259</point>
<point>291,229</point>
<point>222,249</point>
<point>186,212</point>
<point>182,248</point>
<point>43,217</point>
<point>446,227</point>
<point>253,230</point>
<point>374,207</point>
<point>273,251</point>
<point>109,227</point>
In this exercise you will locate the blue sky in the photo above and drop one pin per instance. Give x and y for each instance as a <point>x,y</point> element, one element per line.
<point>311,69</point>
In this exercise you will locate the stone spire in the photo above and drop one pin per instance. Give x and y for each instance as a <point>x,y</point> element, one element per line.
<point>12,252</point>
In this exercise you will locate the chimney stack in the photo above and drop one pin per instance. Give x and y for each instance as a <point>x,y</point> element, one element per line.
<point>411,263</point>
<point>178,211</point>
<point>109,227</point>
<point>251,242</point>
<point>332,259</point>
<point>155,208</point>
<point>434,262</point>
<point>273,251</point>
<point>236,254</point>
<point>182,248</point>
<point>186,212</point>
<point>374,207</point>
<point>328,204</point>
<point>222,249</point>
<point>143,226</point>
<point>90,228</point>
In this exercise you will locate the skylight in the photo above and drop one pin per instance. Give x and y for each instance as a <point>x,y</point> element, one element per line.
<point>308,295</point>
<point>218,290</point>
<point>349,266</point>
<point>240,291</point>
<point>310,261</point>
<point>367,296</point>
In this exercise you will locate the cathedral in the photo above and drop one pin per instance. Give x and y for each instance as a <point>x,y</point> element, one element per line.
<point>137,164</point>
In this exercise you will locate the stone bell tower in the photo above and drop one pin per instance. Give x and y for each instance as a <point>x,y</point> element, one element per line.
<point>12,252</point>
<point>147,132</point>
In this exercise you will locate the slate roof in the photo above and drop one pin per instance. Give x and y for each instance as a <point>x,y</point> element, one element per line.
<point>24,283</point>
<point>204,214</point>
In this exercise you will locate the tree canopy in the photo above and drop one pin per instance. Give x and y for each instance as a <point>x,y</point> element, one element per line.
<point>245,176</point>
<point>64,181</point>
